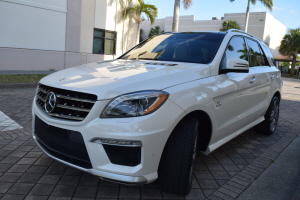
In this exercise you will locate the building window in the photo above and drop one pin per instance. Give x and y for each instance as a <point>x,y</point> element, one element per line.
<point>104,42</point>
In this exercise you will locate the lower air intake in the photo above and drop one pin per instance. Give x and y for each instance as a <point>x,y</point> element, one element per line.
<point>63,144</point>
<point>127,156</point>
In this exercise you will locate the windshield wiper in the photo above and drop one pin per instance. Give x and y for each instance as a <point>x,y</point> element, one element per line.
<point>148,59</point>
<point>140,54</point>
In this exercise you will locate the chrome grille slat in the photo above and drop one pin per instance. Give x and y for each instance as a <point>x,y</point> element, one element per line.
<point>73,108</point>
<point>66,116</point>
<point>70,105</point>
<point>41,98</point>
<point>44,91</point>
<point>75,99</point>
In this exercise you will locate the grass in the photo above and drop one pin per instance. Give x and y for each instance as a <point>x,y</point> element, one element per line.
<point>21,78</point>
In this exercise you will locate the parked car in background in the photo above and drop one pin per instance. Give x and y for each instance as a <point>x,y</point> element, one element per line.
<point>143,117</point>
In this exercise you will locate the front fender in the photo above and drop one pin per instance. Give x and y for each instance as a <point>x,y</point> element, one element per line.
<point>202,94</point>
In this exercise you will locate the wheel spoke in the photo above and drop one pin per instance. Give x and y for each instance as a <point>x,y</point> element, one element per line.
<point>274,115</point>
<point>193,160</point>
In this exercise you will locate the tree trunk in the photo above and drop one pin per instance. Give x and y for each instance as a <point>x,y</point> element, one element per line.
<point>176,16</point>
<point>293,65</point>
<point>247,16</point>
<point>116,18</point>
<point>128,32</point>
<point>138,33</point>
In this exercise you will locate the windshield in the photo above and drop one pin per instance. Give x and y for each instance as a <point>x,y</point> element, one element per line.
<point>180,47</point>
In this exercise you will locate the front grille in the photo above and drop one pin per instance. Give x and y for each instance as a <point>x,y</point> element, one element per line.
<point>119,155</point>
<point>63,144</point>
<point>69,104</point>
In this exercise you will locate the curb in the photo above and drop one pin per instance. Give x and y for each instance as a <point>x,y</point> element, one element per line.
<point>26,72</point>
<point>17,85</point>
<point>238,184</point>
<point>290,79</point>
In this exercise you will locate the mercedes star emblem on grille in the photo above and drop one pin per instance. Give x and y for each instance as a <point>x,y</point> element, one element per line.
<point>50,102</point>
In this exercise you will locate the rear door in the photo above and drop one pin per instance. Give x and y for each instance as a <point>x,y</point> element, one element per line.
<point>260,68</point>
<point>273,72</point>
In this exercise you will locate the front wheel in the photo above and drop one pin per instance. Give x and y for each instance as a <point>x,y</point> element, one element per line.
<point>175,172</point>
<point>268,126</point>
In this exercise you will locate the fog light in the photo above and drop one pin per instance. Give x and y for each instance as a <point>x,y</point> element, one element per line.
<point>116,142</point>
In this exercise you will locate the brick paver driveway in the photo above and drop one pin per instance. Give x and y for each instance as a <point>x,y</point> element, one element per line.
<point>26,173</point>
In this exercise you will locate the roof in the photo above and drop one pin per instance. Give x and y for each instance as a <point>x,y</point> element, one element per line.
<point>284,58</point>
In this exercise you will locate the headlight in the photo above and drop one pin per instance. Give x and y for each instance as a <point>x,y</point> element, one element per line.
<point>135,104</point>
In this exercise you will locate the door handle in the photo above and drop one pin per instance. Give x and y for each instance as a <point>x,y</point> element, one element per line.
<point>272,76</point>
<point>252,80</point>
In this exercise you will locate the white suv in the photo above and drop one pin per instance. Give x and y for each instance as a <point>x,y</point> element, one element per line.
<point>143,116</point>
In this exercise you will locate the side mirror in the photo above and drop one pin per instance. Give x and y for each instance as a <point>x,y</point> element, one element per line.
<point>236,65</point>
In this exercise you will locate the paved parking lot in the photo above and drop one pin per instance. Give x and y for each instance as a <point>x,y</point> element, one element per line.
<point>26,173</point>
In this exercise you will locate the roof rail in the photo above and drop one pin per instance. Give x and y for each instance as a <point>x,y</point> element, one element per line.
<point>239,31</point>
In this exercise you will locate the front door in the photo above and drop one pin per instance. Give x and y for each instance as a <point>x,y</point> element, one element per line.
<point>240,91</point>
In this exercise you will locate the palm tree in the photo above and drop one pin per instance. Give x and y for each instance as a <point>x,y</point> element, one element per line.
<point>141,35</point>
<point>229,24</point>
<point>136,12</point>
<point>290,46</point>
<point>154,31</point>
<point>186,4</point>
<point>267,3</point>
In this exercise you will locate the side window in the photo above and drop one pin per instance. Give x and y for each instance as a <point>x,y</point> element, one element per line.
<point>264,60</point>
<point>269,55</point>
<point>236,48</point>
<point>255,55</point>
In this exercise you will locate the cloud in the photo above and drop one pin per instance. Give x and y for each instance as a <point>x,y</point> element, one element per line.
<point>260,9</point>
<point>278,8</point>
<point>264,9</point>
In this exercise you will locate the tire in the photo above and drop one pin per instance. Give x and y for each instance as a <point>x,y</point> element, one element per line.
<point>175,172</point>
<point>268,126</point>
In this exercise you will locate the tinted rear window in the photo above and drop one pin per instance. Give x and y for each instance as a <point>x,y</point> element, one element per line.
<point>181,47</point>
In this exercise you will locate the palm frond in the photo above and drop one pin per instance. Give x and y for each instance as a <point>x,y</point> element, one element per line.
<point>128,11</point>
<point>229,24</point>
<point>187,3</point>
<point>267,3</point>
<point>290,44</point>
<point>149,10</point>
<point>253,2</point>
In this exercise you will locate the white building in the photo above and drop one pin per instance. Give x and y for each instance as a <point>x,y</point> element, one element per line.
<point>56,34</point>
<point>261,24</point>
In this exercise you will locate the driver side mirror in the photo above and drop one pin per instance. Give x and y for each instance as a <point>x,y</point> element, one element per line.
<point>236,65</point>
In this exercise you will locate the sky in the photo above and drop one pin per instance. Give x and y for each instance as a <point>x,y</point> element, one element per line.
<point>285,11</point>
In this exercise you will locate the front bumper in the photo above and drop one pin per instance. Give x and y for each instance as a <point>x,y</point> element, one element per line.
<point>151,130</point>
<point>140,180</point>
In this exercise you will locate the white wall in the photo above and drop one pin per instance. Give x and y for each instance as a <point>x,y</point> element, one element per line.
<point>33,24</point>
<point>256,23</point>
<point>261,24</point>
<point>208,25</point>
<point>274,32</point>
<point>109,16</point>
<point>87,26</point>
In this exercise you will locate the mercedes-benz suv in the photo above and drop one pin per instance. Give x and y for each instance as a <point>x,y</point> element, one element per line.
<point>142,117</point>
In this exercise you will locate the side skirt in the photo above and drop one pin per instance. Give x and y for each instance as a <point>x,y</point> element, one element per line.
<point>216,145</point>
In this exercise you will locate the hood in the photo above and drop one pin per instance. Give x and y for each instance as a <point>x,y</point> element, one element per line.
<point>109,79</point>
